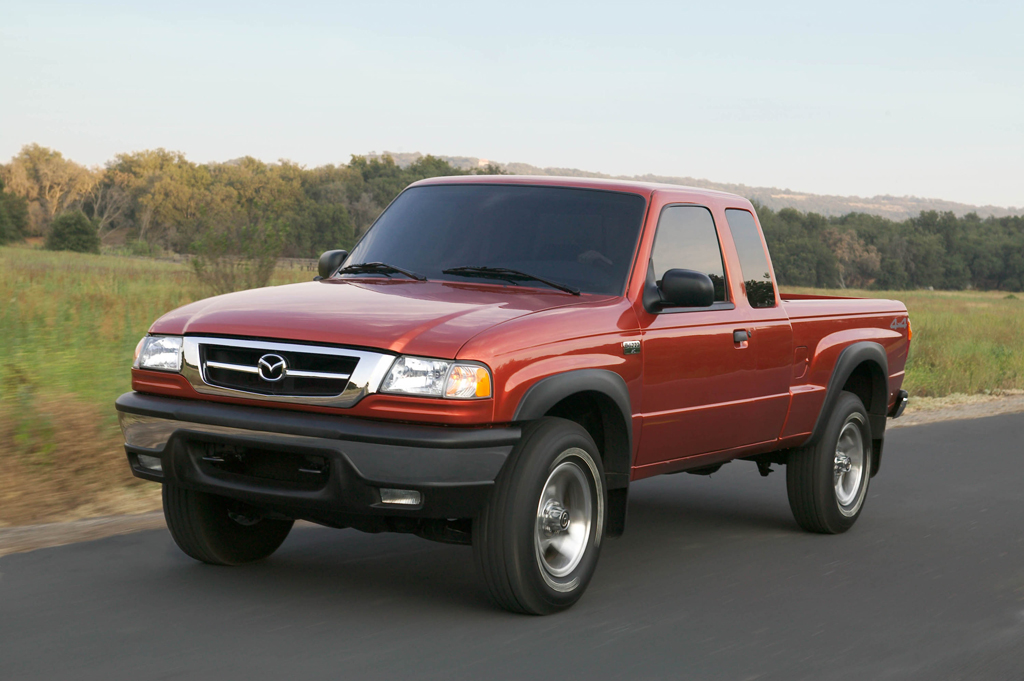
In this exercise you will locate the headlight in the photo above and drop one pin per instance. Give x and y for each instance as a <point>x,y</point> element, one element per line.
<point>437,378</point>
<point>161,353</point>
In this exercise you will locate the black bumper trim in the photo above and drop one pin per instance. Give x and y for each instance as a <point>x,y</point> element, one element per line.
<point>902,399</point>
<point>454,469</point>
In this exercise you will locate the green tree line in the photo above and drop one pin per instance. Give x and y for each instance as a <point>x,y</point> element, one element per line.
<point>234,219</point>
<point>161,198</point>
<point>933,250</point>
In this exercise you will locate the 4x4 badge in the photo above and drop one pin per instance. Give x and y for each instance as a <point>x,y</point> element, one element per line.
<point>631,347</point>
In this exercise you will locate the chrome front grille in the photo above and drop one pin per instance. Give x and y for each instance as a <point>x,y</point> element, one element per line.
<point>300,374</point>
<point>283,372</point>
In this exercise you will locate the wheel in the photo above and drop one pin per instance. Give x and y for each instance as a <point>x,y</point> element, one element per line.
<point>537,540</point>
<point>219,531</point>
<point>828,481</point>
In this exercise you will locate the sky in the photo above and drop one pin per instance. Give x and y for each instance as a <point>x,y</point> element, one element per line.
<point>900,98</point>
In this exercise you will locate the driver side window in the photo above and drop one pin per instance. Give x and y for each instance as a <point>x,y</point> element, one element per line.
<point>687,239</point>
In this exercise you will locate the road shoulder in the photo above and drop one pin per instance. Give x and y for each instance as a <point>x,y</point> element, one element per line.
<point>32,537</point>
<point>958,407</point>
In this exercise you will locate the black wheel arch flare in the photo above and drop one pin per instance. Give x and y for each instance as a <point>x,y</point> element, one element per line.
<point>872,355</point>
<point>611,395</point>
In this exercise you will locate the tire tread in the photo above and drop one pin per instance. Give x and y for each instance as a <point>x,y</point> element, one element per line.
<point>494,540</point>
<point>809,499</point>
<point>195,522</point>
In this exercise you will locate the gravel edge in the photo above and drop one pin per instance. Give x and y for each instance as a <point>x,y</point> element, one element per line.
<point>32,537</point>
<point>1010,404</point>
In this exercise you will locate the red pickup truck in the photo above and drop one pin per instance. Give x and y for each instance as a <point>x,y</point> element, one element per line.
<point>494,364</point>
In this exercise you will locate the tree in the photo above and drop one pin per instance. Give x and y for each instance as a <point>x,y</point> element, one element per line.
<point>73,231</point>
<point>925,258</point>
<point>381,181</point>
<point>50,183</point>
<point>164,194</point>
<point>319,227</point>
<point>799,254</point>
<point>13,216</point>
<point>108,201</point>
<point>490,169</point>
<point>239,255</point>
<point>244,224</point>
<point>858,262</point>
<point>893,263</point>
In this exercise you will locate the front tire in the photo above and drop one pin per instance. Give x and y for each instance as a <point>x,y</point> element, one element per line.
<point>218,531</point>
<point>827,482</point>
<point>538,539</point>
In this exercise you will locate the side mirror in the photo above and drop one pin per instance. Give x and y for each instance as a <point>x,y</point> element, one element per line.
<point>686,288</point>
<point>330,262</point>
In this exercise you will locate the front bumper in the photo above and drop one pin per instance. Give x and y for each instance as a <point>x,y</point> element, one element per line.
<point>318,467</point>
<point>902,399</point>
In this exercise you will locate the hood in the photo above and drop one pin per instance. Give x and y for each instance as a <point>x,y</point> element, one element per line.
<point>431,318</point>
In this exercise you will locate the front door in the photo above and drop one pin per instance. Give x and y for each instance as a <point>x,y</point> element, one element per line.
<point>699,389</point>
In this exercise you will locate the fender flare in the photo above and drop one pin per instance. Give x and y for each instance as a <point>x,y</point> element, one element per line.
<point>849,359</point>
<point>547,392</point>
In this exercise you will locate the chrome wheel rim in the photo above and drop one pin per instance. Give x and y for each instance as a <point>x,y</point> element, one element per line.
<point>850,466</point>
<point>564,517</point>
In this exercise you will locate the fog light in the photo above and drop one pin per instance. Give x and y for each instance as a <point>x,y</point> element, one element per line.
<point>152,463</point>
<point>404,497</point>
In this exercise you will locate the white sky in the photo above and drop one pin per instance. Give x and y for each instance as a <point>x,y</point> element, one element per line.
<point>923,98</point>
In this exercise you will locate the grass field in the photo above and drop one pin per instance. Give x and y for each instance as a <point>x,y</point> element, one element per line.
<point>69,324</point>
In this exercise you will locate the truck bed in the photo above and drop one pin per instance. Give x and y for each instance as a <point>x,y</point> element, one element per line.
<point>822,327</point>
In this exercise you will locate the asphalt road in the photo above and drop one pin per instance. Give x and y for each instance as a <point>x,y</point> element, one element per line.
<point>713,580</point>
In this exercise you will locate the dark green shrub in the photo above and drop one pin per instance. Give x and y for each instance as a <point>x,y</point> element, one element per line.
<point>73,231</point>
<point>13,216</point>
<point>6,228</point>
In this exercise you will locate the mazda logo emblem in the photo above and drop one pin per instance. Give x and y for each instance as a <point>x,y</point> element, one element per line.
<point>272,368</point>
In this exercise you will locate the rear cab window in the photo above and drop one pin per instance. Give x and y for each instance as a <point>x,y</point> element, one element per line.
<point>687,239</point>
<point>754,268</point>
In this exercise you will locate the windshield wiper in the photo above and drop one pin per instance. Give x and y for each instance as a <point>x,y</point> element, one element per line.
<point>379,268</point>
<point>508,275</point>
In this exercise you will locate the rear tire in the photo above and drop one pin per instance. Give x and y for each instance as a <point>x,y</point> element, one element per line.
<point>218,531</point>
<point>538,539</point>
<point>828,481</point>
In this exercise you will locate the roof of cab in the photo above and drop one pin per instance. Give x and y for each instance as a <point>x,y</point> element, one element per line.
<point>645,188</point>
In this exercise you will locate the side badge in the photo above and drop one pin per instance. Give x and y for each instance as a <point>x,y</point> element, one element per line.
<point>631,347</point>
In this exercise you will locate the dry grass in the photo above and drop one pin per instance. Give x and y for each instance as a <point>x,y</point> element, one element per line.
<point>69,325</point>
<point>960,400</point>
<point>59,462</point>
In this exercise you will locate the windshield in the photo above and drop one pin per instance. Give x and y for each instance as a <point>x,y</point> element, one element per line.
<point>582,238</point>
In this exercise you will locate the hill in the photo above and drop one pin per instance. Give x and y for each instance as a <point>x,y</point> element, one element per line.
<point>892,207</point>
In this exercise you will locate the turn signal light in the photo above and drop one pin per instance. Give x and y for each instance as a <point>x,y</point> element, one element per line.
<point>468,381</point>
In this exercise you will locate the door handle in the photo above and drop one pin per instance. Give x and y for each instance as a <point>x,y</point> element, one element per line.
<point>740,336</point>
